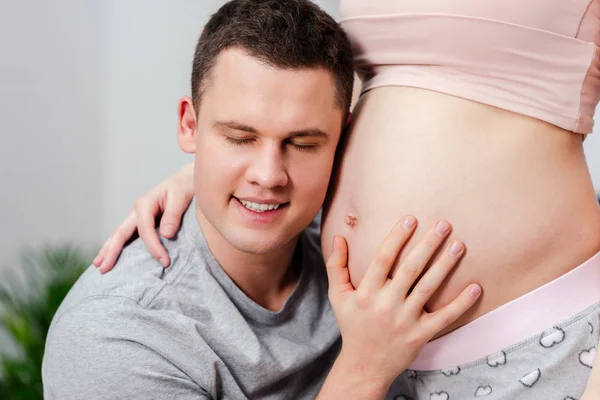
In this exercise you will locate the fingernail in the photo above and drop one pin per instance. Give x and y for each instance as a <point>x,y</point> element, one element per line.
<point>456,248</point>
<point>475,290</point>
<point>163,261</point>
<point>408,223</point>
<point>168,229</point>
<point>442,228</point>
<point>336,243</point>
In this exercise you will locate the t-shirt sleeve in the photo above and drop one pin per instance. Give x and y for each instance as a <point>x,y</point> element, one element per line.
<point>104,348</point>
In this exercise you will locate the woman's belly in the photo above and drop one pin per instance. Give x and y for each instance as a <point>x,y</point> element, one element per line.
<point>516,190</point>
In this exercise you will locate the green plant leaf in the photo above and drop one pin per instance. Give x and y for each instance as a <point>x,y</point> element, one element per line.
<point>29,299</point>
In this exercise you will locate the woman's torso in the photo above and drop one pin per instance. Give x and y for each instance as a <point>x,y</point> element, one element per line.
<point>517,190</point>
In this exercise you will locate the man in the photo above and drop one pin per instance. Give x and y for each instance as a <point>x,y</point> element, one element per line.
<point>242,312</point>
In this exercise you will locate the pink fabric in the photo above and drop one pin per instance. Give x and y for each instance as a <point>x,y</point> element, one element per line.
<point>590,92</point>
<point>537,58</point>
<point>516,321</point>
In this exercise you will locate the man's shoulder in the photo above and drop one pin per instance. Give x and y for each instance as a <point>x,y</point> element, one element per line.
<point>97,347</point>
<point>137,277</point>
<point>110,320</point>
<point>137,314</point>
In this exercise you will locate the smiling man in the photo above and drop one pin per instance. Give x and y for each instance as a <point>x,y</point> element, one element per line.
<point>264,143</point>
<point>242,312</point>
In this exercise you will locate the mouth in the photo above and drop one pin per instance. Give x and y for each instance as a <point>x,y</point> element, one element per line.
<point>261,207</point>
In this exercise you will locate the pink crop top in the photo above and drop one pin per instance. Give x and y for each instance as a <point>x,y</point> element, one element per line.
<point>534,57</point>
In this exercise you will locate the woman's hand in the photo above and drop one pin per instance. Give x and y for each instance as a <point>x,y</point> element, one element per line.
<point>382,322</point>
<point>170,198</point>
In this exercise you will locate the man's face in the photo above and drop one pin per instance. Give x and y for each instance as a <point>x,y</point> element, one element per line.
<point>265,142</point>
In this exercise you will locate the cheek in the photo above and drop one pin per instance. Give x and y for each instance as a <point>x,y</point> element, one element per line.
<point>218,166</point>
<point>313,176</point>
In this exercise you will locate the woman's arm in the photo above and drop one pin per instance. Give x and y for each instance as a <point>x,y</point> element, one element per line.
<point>170,198</point>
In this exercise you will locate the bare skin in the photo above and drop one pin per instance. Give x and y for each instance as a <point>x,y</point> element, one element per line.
<point>505,180</point>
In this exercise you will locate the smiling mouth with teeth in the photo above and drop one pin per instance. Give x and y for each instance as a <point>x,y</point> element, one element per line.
<point>257,207</point>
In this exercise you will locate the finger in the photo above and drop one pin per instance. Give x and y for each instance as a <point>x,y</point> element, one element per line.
<point>385,257</point>
<point>337,270</point>
<point>117,241</point>
<point>146,209</point>
<point>101,254</point>
<point>175,206</point>
<point>410,269</point>
<point>440,319</point>
<point>97,260</point>
<point>433,278</point>
<point>109,259</point>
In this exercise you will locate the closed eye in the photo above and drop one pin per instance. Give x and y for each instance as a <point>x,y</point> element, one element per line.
<point>304,147</point>
<point>238,142</point>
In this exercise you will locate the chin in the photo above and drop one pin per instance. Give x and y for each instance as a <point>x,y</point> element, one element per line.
<point>265,245</point>
<point>254,247</point>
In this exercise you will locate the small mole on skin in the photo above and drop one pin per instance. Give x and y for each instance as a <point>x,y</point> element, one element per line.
<point>351,220</point>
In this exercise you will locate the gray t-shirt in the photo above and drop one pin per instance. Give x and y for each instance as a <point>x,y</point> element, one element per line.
<point>188,332</point>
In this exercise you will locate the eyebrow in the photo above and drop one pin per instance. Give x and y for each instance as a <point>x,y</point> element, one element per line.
<point>236,126</point>
<point>311,132</point>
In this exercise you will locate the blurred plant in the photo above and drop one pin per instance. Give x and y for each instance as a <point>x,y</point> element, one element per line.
<point>29,297</point>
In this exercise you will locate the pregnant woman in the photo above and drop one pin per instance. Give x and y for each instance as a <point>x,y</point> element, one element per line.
<point>474,112</point>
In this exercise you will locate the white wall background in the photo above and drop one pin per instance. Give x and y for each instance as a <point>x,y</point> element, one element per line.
<point>88,94</point>
<point>52,123</point>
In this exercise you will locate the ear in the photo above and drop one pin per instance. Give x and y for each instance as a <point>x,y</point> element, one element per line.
<point>187,124</point>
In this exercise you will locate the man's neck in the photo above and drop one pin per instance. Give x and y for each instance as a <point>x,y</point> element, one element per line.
<point>267,279</point>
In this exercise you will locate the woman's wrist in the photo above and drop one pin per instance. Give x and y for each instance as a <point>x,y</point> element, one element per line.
<point>351,377</point>
<point>185,177</point>
<point>187,171</point>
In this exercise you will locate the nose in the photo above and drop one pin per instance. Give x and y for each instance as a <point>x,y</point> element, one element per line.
<point>268,168</point>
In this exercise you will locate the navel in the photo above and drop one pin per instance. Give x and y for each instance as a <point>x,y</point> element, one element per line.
<point>351,220</point>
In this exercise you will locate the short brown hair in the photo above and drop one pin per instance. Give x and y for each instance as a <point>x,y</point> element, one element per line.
<point>287,34</point>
